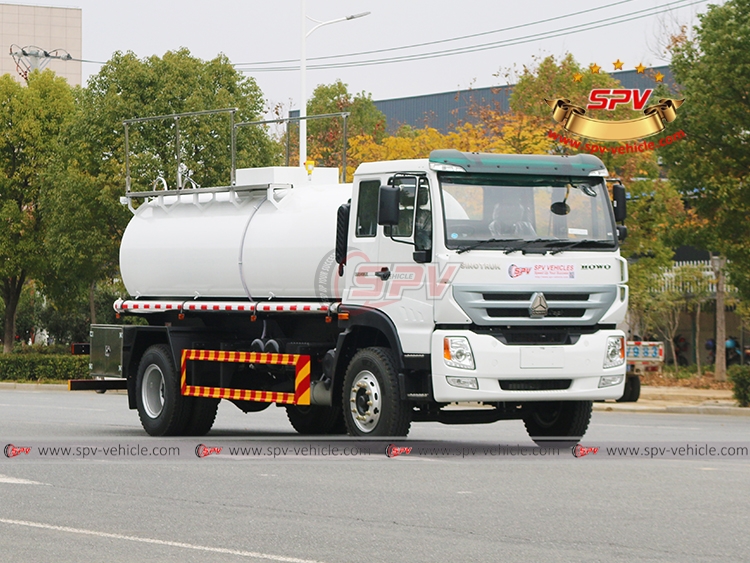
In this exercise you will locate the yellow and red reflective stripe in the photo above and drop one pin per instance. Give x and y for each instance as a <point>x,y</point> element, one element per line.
<point>240,394</point>
<point>301,363</point>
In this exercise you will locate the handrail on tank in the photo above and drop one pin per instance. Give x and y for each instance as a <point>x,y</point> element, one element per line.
<point>234,126</point>
<point>343,114</point>
<point>176,117</point>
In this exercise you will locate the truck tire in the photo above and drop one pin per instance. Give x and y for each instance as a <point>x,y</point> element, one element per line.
<point>557,423</point>
<point>632,389</point>
<point>635,388</point>
<point>161,407</point>
<point>626,391</point>
<point>202,416</point>
<point>315,419</point>
<point>371,400</point>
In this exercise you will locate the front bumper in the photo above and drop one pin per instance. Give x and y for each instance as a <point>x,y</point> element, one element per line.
<point>581,362</point>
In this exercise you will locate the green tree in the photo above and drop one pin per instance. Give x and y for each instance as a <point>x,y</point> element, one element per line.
<point>712,166</point>
<point>86,220</point>
<point>325,136</point>
<point>654,210</point>
<point>127,87</point>
<point>32,119</point>
<point>566,78</point>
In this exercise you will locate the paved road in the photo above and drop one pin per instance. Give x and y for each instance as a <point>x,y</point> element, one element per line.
<point>292,509</point>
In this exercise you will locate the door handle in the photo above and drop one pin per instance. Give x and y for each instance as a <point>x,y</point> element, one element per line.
<point>384,274</point>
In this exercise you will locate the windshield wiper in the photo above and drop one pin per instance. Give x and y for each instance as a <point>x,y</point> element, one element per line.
<point>482,243</point>
<point>568,244</point>
<point>519,244</point>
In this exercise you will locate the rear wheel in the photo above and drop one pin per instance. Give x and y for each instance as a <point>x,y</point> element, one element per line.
<point>202,416</point>
<point>557,423</point>
<point>314,419</point>
<point>161,407</point>
<point>371,401</point>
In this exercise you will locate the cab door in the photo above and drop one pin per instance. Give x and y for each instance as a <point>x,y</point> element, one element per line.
<point>405,251</point>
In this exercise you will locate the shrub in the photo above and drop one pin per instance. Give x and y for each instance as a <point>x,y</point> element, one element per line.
<point>53,349</point>
<point>42,367</point>
<point>740,378</point>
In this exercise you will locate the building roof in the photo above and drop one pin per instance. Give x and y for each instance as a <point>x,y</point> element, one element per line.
<point>445,110</point>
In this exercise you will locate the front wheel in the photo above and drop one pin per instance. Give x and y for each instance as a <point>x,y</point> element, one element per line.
<point>161,407</point>
<point>371,401</point>
<point>557,423</point>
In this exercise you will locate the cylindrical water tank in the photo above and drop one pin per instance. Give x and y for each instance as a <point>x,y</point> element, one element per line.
<point>209,246</point>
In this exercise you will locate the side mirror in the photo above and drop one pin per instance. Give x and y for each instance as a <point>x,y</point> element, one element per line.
<point>388,205</point>
<point>619,202</point>
<point>622,232</point>
<point>422,256</point>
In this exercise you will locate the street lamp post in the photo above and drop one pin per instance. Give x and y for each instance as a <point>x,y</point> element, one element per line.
<point>303,71</point>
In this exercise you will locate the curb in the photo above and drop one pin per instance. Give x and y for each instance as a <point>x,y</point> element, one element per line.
<point>39,387</point>
<point>34,386</point>
<point>681,409</point>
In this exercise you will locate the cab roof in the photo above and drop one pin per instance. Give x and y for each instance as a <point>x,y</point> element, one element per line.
<point>542,164</point>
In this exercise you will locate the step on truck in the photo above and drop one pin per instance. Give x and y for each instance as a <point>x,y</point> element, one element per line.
<point>460,288</point>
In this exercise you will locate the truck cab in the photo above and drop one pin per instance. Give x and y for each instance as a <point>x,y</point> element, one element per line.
<point>500,274</point>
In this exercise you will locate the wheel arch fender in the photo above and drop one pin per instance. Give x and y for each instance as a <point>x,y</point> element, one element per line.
<point>365,328</point>
<point>136,340</point>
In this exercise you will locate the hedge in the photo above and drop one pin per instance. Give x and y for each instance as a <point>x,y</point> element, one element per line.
<point>42,367</point>
<point>740,378</point>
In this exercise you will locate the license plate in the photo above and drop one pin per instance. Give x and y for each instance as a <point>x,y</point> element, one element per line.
<point>542,357</point>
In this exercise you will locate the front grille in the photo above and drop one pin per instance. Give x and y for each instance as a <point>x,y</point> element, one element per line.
<point>537,337</point>
<point>535,384</point>
<point>506,296</point>
<point>527,296</point>
<point>524,313</point>
<point>498,305</point>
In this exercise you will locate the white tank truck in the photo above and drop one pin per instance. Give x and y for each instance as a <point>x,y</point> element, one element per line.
<point>461,278</point>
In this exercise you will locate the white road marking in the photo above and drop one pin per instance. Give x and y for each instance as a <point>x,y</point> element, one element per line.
<point>45,407</point>
<point>17,481</point>
<point>240,553</point>
<point>648,426</point>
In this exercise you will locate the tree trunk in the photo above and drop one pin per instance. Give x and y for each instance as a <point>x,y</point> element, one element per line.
<point>11,296</point>
<point>92,303</point>
<point>697,343</point>
<point>720,368</point>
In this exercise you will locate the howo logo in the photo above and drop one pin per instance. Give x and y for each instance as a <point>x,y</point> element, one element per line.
<point>596,266</point>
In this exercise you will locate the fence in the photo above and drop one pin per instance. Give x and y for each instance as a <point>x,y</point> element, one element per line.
<point>705,281</point>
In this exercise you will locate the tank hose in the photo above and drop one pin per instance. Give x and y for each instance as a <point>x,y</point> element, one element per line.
<point>242,246</point>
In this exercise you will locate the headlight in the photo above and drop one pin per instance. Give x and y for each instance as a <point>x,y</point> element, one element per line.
<point>457,352</point>
<point>615,354</point>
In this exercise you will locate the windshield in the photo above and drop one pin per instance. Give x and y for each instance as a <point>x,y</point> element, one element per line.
<point>503,211</point>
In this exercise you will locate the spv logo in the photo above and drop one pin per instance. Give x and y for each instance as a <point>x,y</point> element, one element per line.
<point>607,98</point>
<point>515,271</point>
<point>13,451</point>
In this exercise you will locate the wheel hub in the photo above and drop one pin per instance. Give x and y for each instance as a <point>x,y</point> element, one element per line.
<point>365,400</point>
<point>152,391</point>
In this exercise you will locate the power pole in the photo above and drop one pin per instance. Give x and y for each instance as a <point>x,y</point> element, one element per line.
<point>32,58</point>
